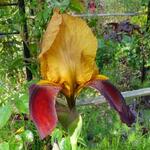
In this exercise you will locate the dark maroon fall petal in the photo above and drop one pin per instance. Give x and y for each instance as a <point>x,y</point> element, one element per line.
<point>114,97</point>
<point>42,108</point>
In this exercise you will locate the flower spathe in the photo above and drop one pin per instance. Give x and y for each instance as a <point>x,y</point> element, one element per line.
<point>67,61</point>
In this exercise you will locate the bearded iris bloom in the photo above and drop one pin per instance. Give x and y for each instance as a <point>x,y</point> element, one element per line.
<point>67,62</point>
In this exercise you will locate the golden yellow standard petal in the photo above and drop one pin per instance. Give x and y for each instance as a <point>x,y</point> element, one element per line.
<point>51,32</point>
<point>70,60</point>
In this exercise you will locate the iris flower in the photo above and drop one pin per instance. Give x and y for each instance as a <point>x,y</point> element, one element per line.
<point>67,63</point>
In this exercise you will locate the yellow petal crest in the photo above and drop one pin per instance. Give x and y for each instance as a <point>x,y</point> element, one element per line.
<point>101,77</point>
<point>68,53</point>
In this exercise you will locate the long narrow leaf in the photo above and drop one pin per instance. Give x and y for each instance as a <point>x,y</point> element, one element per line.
<point>5,113</point>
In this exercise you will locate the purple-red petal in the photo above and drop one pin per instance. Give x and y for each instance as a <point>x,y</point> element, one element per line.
<point>42,108</point>
<point>114,97</point>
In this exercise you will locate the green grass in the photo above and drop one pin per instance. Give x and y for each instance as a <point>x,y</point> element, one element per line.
<point>103,129</point>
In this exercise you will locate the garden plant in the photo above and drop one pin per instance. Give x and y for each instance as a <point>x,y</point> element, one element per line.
<point>60,60</point>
